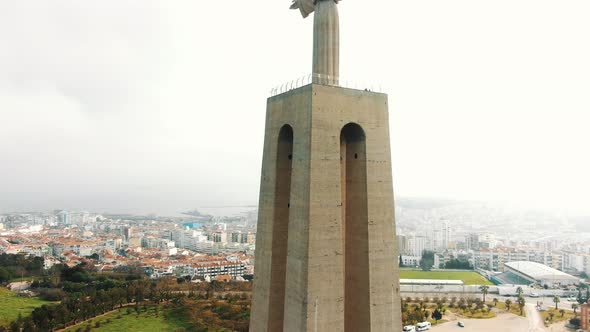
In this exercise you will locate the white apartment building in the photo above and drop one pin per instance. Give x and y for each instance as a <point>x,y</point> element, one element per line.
<point>213,269</point>
<point>411,260</point>
<point>186,238</point>
<point>153,242</point>
<point>494,259</point>
<point>417,244</point>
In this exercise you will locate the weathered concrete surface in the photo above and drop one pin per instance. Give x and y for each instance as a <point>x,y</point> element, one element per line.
<point>314,284</point>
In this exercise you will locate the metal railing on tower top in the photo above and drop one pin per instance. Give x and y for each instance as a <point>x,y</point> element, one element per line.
<point>324,80</point>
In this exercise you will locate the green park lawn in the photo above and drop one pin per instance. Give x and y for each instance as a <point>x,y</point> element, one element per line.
<point>168,320</point>
<point>11,305</point>
<point>469,278</point>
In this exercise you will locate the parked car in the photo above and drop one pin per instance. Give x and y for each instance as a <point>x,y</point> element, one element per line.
<point>424,326</point>
<point>409,328</point>
<point>461,324</point>
<point>534,295</point>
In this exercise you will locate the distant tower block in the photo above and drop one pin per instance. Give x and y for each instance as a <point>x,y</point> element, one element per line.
<point>325,251</point>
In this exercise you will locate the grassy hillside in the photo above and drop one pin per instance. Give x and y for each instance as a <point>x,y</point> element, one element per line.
<point>167,319</point>
<point>11,305</point>
<point>469,278</point>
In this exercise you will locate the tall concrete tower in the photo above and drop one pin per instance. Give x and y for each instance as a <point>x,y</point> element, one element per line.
<point>325,248</point>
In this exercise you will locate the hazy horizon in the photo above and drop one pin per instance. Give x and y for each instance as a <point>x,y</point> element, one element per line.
<point>428,203</point>
<point>137,106</point>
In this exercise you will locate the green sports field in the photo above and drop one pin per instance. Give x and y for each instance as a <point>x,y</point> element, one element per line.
<point>11,305</point>
<point>469,278</point>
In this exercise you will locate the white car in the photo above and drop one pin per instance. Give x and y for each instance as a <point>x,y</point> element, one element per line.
<point>424,326</point>
<point>409,328</point>
<point>534,295</point>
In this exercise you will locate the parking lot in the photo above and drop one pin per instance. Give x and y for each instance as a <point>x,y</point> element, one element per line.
<point>504,323</point>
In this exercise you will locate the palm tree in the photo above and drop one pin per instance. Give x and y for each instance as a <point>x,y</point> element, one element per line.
<point>508,303</point>
<point>556,301</point>
<point>519,291</point>
<point>562,312</point>
<point>574,307</point>
<point>484,290</point>
<point>521,304</point>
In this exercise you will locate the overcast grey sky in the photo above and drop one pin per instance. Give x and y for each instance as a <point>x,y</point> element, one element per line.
<point>158,106</point>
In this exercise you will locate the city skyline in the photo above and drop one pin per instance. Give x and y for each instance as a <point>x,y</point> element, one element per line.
<point>487,102</point>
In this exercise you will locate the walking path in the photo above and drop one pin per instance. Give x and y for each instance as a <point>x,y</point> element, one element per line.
<point>535,319</point>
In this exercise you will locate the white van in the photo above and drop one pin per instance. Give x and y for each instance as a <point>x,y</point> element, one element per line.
<point>423,326</point>
<point>409,328</point>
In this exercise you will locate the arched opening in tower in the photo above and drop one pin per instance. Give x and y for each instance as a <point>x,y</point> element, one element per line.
<point>280,228</point>
<point>355,228</point>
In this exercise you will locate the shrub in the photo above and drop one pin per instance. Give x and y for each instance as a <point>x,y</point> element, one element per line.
<point>51,294</point>
<point>575,322</point>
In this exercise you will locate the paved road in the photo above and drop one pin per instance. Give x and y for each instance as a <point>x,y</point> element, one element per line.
<point>535,319</point>
<point>547,301</point>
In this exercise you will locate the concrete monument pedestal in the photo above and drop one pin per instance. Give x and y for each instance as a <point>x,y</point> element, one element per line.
<point>325,251</point>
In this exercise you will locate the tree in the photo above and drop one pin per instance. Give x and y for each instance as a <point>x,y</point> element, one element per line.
<point>562,312</point>
<point>519,291</point>
<point>455,263</point>
<point>495,301</point>
<point>427,260</point>
<point>508,303</point>
<point>521,304</point>
<point>484,290</point>
<point>556,300</point>
<point>580,299</point>
<point>437,315</point>
<point>551,314</point>
<point>574,307</point>
<point>4,275</point>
